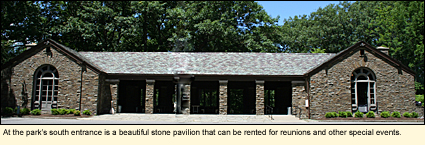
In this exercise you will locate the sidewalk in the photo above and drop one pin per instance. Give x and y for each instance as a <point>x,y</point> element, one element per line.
<point>197,118</point>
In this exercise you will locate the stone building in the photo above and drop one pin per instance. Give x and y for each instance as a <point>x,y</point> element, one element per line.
<point>361,77</point>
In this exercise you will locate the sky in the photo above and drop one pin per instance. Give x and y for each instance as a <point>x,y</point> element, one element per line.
<point>286,9</point>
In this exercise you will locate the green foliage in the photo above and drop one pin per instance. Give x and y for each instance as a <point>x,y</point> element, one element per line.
<point>415,115</point>
<point>342,114</point>
<point>419,98</point>
<point>407,114</point>
<point>385,114</point>
<point>62,111</point>
<point>349,114</point>
<point>8,111</point>
<point>358,114</point>
<point>25,111</point>
<point>86,112</point>
<point>77,113</point>
<point>54,111</point>
<point>329,115</point>
<point>370,114</point>
<point>36,112</point>
<point>334,114</point>
<point>71,111</point>
<point>396,114</point>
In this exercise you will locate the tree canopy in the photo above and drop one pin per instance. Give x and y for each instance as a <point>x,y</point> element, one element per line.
<point>215,26</point>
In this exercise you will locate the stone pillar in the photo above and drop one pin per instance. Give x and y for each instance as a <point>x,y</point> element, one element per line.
<point>299,97</point>
<point>223,97</point>
<point>114,98</point>
<point>259,103</point>
<point>149,96</point>
<point>186,99</point>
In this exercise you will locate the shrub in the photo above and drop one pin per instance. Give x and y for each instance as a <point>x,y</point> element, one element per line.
<point>358,114</point>
<point>36,112</point>
<point>349,114</point>
<point>396,114</point>
<point>15,110</point>
<point>342,114</point>
<point>8,111</point>
<point>62,111</point>
<point>385,114</point>
<point>415,115</point>
<point>77,113</point>
<point>67,111</point>
<point>54,111</point>
<point>329,115</point>
<point>25,111</point>
<point>407,114</point>
<point>71,111</point>
<point>370,114</point>
<point>334,114</point>
<point>86,112</point>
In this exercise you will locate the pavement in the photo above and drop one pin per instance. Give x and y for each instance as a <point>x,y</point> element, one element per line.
<point>133,118</point>
<point>195,118</point>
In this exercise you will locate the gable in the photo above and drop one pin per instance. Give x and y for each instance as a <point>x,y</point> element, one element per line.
<point>354,50</point>
<point>51,44</point>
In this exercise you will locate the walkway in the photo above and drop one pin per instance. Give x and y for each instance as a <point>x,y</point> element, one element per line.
<point>195,118</point>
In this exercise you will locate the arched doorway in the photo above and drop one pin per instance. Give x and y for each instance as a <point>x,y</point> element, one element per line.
<point>363,91</point>
<point>46,86</point>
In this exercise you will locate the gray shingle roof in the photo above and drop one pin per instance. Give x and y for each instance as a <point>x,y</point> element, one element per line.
<point>208,63</point>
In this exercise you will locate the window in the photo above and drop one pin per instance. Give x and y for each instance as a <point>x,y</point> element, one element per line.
<point>46,87</point>
<point>363,90</point>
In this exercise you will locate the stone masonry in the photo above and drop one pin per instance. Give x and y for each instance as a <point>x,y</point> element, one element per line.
<point>223,97</point>
<point>330,88</point>
<point>259,103</point>
<point>149,96</point>
<point>69,83</point>
<point>299,95</point>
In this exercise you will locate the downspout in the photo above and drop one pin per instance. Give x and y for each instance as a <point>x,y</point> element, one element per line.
<point>81,87</point>
<point>307,81</point>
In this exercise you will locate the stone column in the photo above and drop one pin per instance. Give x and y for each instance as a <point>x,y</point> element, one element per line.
<point>114,98</point>
<point>223,97</point>
<point>186,99</point>
<point>259,103</point>
<point>149,96</point>
<point>299,97</point>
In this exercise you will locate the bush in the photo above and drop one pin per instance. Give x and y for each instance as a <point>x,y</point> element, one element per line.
<point>77,113</point>
<point>370,114</point>
<point>25,111</point>
<point>71,111</point>
<point>385,114</point>
<point>415,115</point>
<point>349,114</point>
<point>67,111</point>
<point>86,112</point>
<point>62,111</point>
<point>334,114</point>
<point>358,114</point>
<point>342,114</point>
<point>329,115</point>
<point>15,110</point>
<point>407,114</point>
<point>396,114</point>
<point>54,111</point>
<point>36,112</point>
<point>8,111</point>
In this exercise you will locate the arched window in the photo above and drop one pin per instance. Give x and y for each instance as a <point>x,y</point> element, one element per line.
<point>363,96</point>
<point>46,88</point>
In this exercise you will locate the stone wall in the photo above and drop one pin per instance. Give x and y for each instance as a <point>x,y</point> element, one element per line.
<point>149,96</point>
<point>299,95</point>
<point>69,80</point>
<point>330,88</point>
<point>259,103</point>
<point>223,97</point>
<point>91,82</point>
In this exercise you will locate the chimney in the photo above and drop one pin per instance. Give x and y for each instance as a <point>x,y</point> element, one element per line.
<point>383,49</point>
<point>29,46</point>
